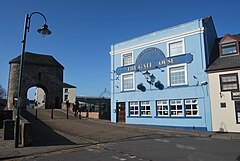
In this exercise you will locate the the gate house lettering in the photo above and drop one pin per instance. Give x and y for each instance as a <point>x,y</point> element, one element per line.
<point>153,58</point>
<point>151,65</point>
<point>166,61</point>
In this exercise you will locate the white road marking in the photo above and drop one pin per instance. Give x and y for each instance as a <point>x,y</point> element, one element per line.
<point>162,140</point>
<point>184,147</point>
<point>118,158</point>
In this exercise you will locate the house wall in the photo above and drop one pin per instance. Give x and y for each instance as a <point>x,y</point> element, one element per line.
<point>192,34</point>
<point>71,94</point>
<point>223,119</point>
<point>208,38</point>
<point>39,98</point>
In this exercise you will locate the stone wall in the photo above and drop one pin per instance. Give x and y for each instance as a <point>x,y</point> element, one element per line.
<point>46,76</point>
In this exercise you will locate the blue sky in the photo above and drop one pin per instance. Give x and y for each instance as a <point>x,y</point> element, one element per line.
<point>84,30</point>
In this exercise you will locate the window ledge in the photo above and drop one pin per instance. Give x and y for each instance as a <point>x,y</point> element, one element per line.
<point>178,86</point>
<point>193,117</point>
<point>133,90</point>
<point>139,116</point>
<point>132,116</point>
<point>179,117</point>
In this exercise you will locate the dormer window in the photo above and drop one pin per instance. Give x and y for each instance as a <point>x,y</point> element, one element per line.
<point>229,45</point>
<point>229,48</point>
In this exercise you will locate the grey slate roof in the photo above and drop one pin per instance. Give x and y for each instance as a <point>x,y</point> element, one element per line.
<point>225,62</point>
<point>37,59</point>
<point>66,85</point>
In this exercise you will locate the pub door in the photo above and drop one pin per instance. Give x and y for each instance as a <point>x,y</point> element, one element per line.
<point>121,112</point>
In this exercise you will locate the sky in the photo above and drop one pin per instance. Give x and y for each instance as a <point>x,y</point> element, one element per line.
<point>84,30</point>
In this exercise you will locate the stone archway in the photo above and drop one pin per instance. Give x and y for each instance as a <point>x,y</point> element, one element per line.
<point>38,95</point>
<point>39,70</point>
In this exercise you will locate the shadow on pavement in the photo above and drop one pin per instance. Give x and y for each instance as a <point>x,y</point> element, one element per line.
<point>42,135</point>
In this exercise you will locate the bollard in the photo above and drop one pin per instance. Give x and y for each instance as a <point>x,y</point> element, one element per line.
<point>52,113</point>
<point>5,115</point>
<point>67,112</point>
<point>36,112</point>
<point>8,129</point>
<point>26,134</point>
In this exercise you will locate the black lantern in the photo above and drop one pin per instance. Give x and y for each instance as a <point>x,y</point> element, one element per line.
<point>44,30</point>
<point>159,85</point>
<point>141,87</point>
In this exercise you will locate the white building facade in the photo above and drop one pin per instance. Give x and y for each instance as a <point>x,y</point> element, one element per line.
<point>223,75</point>
<point>69,93</point>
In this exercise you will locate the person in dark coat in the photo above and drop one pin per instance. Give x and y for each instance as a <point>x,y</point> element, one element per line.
<point>68,106</point>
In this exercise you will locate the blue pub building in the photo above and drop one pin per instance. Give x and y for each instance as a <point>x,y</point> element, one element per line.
<point>160,79</point>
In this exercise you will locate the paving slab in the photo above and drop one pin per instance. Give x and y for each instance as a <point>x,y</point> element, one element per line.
<point>60,133</point>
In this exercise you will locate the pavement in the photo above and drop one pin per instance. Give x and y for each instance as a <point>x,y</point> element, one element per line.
<point>59,135</point>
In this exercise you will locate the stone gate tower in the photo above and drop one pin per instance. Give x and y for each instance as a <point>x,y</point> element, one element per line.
<point>41,71</point>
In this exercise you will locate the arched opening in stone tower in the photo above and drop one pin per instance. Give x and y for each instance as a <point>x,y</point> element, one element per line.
<point>36,98</point>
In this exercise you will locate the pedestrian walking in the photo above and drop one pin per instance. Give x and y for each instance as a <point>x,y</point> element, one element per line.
<point>68,106</point>
<point>75,108</point>
<point>79,110</point>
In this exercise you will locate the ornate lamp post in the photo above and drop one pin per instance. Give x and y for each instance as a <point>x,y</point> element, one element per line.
<point>149,77</point>
<point>44,31</point>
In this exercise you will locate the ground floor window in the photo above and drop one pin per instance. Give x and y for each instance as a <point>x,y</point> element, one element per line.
<point>176,107</point>
<point>170,108</point>
<point>162,108</point>
<point>65,97</point>
<point>191,106</point>
<point>133,108</point>
<point>145,108</point>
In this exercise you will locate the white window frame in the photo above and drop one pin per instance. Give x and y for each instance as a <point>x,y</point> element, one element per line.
<point>122,59</point>
<point>160,104</point>
<point>175,66</point>
<point>175,41</point>
<point>66,90</point>
<point>147,112</point>
<point>176,110</point>
<point>135,108</point>
<point>191,103</point>
<point>227,46</point>
<point>66,97</point>
<point>122,75</point>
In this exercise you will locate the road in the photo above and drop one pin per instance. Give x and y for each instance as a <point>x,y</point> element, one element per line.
<point>103,141</point>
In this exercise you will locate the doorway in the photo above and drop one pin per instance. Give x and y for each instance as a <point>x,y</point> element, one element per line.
<point>237,108</point>
<point>121,117</point>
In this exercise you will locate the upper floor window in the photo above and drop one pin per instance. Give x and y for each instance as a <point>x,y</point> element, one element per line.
<point>229,82</point>
<point>66,90</point>
<point>177,75</point>
<point>127,59</point>
<point>127,82</point>
<point>229,48</point>
<point>39,75</point>
<point>176,48</point>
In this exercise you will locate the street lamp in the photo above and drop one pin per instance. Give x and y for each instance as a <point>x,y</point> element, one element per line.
<point>44,31</point>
